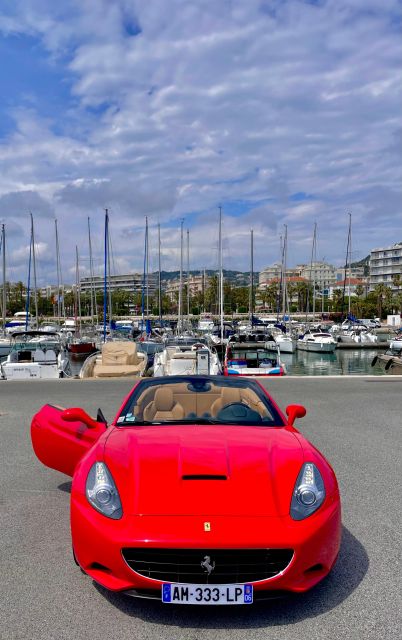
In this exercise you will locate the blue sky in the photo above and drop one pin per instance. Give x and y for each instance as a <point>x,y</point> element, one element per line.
<point>282,111</point>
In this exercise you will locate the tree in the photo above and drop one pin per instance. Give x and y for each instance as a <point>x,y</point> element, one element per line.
<point>397,281</point>
<point>383,296</point>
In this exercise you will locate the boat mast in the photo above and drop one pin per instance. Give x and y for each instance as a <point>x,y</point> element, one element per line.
<point>313,261</point>
<point>91,276</point>
<point>188,279</point>
<point>147,267</point>
<point>57,271</point>
<point>159,275</point>
<point>221,272</point>
<point>350,259</point>
<point>3,246</point>
<point>28,300</point>
<point>313,253</point>
<point>109,281</point>
<point>106,250</point>
<point>284,258</point>
<point>348,267</point>
<point>251,306</point>
<point>34,271</point>
<point>78,290</point>
<point>179,316</point>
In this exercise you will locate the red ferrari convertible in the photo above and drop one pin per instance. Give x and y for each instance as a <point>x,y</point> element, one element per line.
<point>201,491</point>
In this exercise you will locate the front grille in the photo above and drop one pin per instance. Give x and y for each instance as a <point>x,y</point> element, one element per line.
<point>229,565</point>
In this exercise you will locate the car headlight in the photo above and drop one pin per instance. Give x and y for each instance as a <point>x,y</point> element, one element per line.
<point>102,493</point>
<point>309,492</point>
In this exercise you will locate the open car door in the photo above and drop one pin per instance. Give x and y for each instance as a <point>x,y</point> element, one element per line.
<point>61,437</point>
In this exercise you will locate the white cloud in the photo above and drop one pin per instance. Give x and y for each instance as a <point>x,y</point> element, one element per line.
<point>213,103</point>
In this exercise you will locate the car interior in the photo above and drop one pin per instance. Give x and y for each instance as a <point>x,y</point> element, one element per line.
<point>180,401</point>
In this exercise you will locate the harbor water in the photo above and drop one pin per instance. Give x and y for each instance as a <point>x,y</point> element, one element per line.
<point>341,362</point>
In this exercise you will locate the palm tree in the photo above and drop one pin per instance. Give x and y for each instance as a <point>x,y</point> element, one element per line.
<point>302,290</point>
<point>272,295</point>
<point>384,296</point>
<point>359,292</point>
<point>397,281</point>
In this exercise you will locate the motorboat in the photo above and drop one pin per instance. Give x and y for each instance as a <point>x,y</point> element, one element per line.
<point>317,341</point>
<point>117,359</point>
<point>285,342</point>
<point>81,348</point>
<point>252,359</point>
<point>396,343</point>
<point>186,356</point>
<point>35,354</point>
<point>150,348</point>
<point>358,334</point>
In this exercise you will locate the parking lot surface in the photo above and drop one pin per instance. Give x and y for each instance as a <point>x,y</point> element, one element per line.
<point>355,422</point>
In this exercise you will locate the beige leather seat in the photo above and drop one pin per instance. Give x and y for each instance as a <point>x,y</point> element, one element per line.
<point>228,395</point>
<point>164,406</point>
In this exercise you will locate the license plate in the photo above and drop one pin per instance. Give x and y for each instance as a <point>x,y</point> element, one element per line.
<point>176,593</point>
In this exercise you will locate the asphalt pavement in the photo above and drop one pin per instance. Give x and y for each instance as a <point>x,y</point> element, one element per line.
<point>355,422</point>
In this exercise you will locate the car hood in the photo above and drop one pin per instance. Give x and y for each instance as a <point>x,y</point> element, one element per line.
<point>204,470</point>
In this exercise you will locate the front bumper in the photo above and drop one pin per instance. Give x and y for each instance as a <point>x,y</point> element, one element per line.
<point>98,542</point>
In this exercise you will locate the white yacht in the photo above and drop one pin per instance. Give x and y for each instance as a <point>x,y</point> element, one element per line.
<point>186,356</point>
<point>357,335</point>
<point>35,354</point>
<point>396,343</point>
<point>285,342</point>
<point>317,341</point>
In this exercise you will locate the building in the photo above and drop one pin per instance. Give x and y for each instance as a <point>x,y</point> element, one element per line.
<point>350,286</point>
<point>321,273</point>
<point>132,282</point>
<point>273,273</point>
<point>197,284</point>
<point>355,272</point>
<point>385,264</point>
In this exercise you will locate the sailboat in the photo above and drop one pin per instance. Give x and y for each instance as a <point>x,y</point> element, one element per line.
<point>80,346</point>
<point>317,341</point>
<point>34,354</point>
<point>5,342</point>
<point>284,340</point>
<point>117,358</point>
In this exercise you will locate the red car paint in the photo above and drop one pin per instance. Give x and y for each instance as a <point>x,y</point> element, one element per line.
<point>251,510</point>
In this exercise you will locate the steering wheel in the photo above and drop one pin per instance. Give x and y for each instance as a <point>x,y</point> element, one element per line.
<point>238,412</point>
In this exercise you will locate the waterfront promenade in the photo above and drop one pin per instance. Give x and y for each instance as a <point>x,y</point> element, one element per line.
<point>355,421</point>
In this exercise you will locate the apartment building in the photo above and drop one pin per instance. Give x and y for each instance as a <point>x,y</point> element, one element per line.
<point>321,273</point>
<point>197,284</point>
<point>132,282</point>
<point>273,273</point>
<point>385,264</point>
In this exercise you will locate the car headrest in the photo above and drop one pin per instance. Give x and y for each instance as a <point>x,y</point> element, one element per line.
<point>163,400</point>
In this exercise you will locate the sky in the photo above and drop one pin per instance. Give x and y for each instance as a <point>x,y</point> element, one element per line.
<point>283,112</point>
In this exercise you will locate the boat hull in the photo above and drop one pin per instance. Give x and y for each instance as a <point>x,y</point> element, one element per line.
<point>30,371</point>
<point>321,347</point>
<point>287,346</point>
<point>392,365</point>
<point>81,348</point>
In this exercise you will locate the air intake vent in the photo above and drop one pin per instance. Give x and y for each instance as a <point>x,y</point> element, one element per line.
<point>203,476</point>
<point>229,565</point>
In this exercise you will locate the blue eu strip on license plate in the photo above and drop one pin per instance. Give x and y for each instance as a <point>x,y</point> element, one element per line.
<point>176,593</point>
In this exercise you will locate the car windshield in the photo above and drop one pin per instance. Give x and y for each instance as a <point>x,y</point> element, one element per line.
<point>199,400</point>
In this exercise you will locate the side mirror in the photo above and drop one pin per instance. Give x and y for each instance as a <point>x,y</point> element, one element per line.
<point>76,414</point>
<point>294,411</point>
